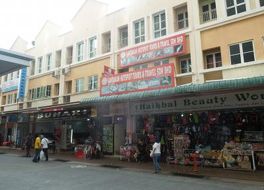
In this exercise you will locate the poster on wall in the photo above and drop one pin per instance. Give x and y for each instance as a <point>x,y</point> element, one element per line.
<point>167,47</point>
<point>146,79</point>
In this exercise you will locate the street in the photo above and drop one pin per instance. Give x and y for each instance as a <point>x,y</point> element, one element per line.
<point>17,172</point>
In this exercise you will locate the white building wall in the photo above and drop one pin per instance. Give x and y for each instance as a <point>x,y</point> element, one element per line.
<point>93,20</point>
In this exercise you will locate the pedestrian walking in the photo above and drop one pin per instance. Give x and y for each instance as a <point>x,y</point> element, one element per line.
<point>28,144</point>
<point>37,147</point>
<point>156,155</point>
<point>45,146</point>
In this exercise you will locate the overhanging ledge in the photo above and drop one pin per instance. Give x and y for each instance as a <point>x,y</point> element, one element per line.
<point>11,61</point>
<point>192,88</point>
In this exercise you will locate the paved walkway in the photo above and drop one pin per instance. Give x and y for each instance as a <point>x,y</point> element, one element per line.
<point>167,169</point>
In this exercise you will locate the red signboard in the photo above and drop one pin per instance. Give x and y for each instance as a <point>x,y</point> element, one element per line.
<point>141,80</point>
<point>108,71</point>
<point>167,47</point>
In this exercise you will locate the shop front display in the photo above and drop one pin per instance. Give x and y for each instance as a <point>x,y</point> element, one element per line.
<point>220,138</point>
<point>195,121</point>
<point>238,156</point>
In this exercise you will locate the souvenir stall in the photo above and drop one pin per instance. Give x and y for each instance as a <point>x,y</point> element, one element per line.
<point>218,137</point>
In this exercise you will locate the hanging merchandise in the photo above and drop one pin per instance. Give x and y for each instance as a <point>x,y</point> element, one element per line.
<point>190,118</point>
<point>181,142</point>
<point>162,141</point>
<point>213,118</point>
<point>204,117</point>
<point>176,118</point>
<point>169,119</point>
<point>260,160</point>
<point>231,118</point>
<point>196,118</point>
<point>184,119</point>
<point>223,117</point>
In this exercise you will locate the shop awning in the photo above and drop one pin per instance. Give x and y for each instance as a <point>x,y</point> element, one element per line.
<point>11,61</point>
<point>180,90</point>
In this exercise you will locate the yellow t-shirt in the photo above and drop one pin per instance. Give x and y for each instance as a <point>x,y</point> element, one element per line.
<point>37,143</point>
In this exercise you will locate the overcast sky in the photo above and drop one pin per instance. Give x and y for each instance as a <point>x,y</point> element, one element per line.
<point>25,18</point>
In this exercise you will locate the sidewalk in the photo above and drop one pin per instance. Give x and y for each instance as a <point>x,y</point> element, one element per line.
<point>167,169</point>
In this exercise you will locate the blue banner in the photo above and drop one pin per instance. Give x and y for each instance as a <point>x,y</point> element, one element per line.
<point>22,83</point>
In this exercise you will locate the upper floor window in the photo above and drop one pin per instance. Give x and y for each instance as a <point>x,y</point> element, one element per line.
<point>79,85</point>
<point>208,11</point>
<point>234,7</point>
<point>56,89</point>
<point>186,65</point>
<point>242,52</point>
<point>48,91</point>
<point>93,83</point>
<point>48,62</point>
<point>213,60</point>
<point>40,92</point>
<point>15,98</point>
<point>69,53</point>
<point>159,24</point>
<point>261,2</point>
<point>32,67</point>
<point>58,58</point>
<point>10,99</point>
<point>5,78</point>
<point>68,87</point>
<point>106,42</point>
<point>139,31</point>
<point>80,51</point>
<point>182,18</point>
<point>92,47</point>
<point>39,64</point>
<point>3,100</point>
<point>123,37</point>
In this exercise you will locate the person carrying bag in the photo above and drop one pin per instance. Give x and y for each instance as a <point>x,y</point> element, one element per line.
<point>155,155</point>
<point>44,146</point>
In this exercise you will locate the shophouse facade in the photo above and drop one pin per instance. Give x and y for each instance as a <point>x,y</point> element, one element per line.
<point>144,69</point>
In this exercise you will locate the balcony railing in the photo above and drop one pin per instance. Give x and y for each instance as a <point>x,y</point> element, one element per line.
<point>209,15</point>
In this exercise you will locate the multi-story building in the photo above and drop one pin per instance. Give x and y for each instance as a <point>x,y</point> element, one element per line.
<point>119,74</point>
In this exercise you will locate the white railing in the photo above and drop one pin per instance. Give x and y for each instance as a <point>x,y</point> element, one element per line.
<point>209,15</point>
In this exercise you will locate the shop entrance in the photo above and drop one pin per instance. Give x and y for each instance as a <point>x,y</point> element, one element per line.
<point>233,137</point>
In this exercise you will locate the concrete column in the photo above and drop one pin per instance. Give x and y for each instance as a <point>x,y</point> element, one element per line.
<point>62,86</point>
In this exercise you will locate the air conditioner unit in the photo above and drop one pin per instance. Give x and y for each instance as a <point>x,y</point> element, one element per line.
<point>66,70</point>
<point>56,73</point>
